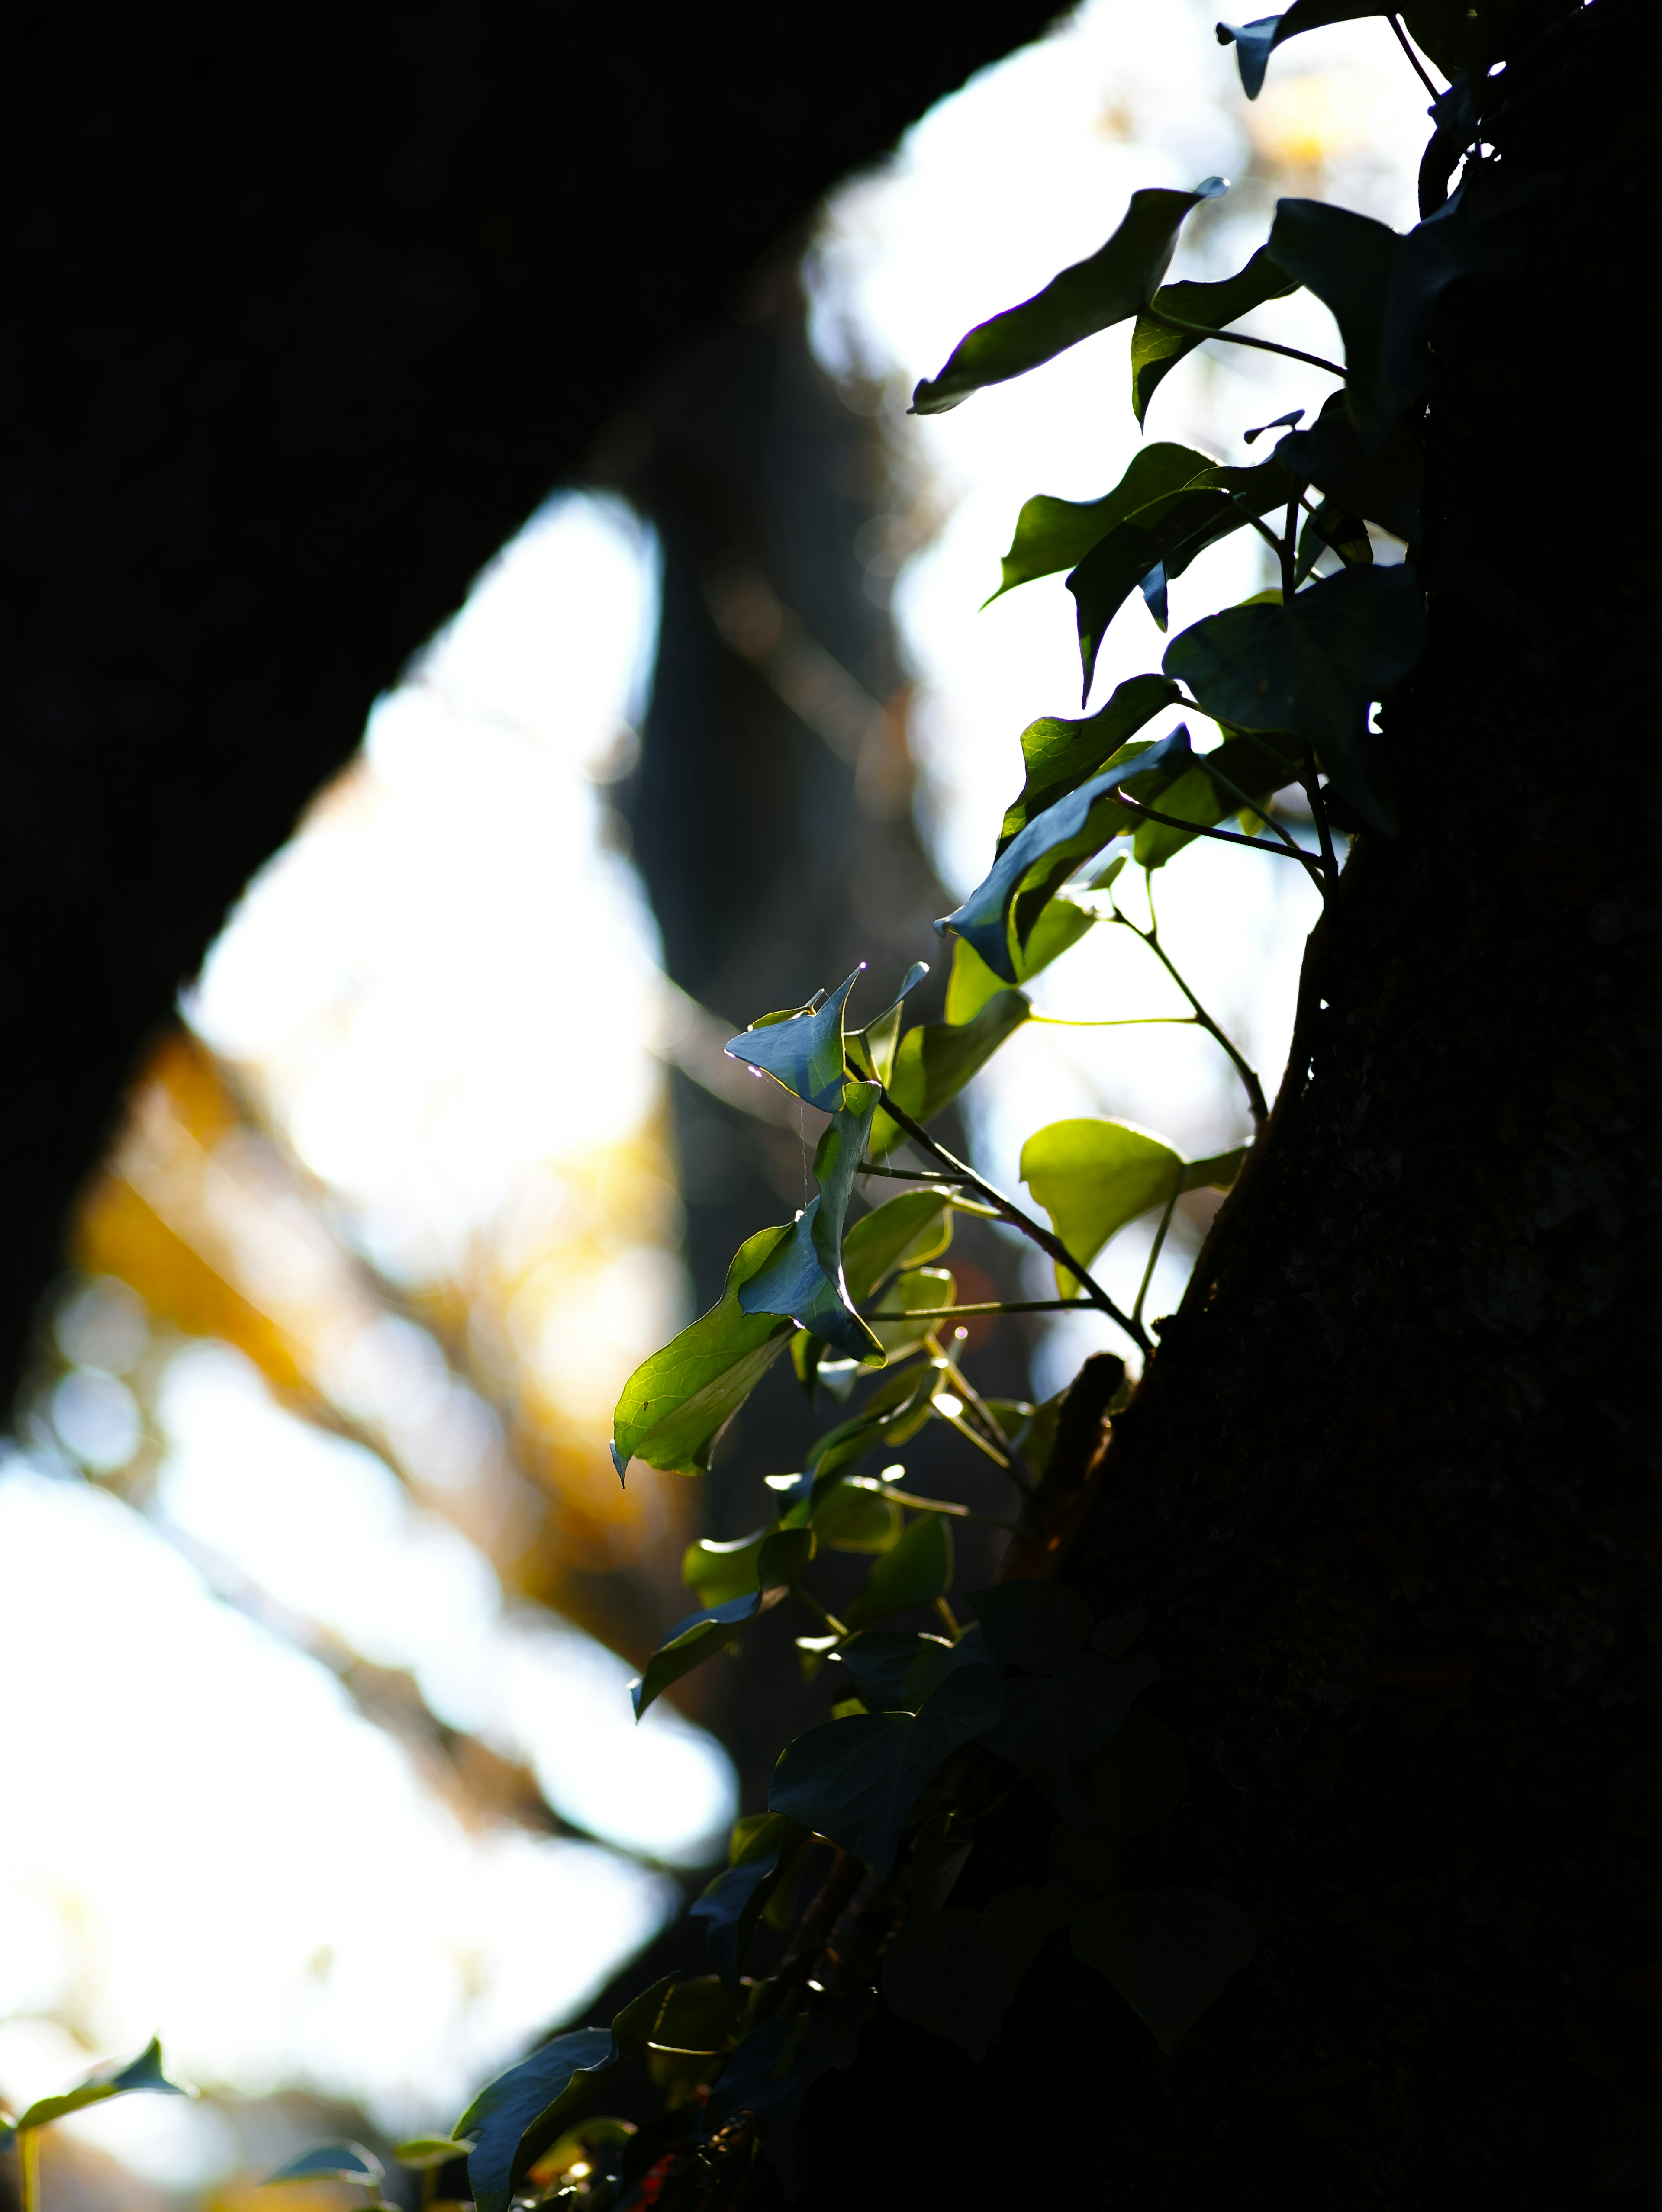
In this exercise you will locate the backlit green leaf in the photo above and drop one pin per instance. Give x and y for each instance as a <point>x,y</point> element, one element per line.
<point>897,1672</point>
<point>1168,533</point>
<point>954,1972</point>
<point>936,1060</point>
<point>1109,288</point>
<point>803,1277</point>
<point>914,1571</point>
<point>1312,667</point>
<point>1170,1953</point>
<point>1156,348</point>
<point>857,1519</point>
<point>1061,839</point>
<point>1054,534</point>
<point>903,1231</point>
<point>699,1638</point>
<point>115,2079</point>
<point>804,1053</point>
<point>1092,1176</point>
<point>423,2152</point>
<point>923,1290</point>
<point>972,982</point>
<point>331,2162</point>
<point>734,1902</point>
<point>1251,764</point>
<point>857,1780</point>
<point>676,1404</point>
<point>1060,755</point>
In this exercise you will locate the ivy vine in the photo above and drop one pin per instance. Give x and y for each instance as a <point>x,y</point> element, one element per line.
<point>874,1814</point>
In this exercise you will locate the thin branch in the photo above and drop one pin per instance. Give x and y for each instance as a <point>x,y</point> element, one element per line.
<point>933,1505</point>
<point>1250,1082</point>
<point>992,1306</point>
<point>1239,337</point>
<point>1414,61</point>
<point>1318,810</point>
<point>1046,1239</point>
<point>1131,1022</point>
<point>820,1613</point>
<point>1251,806</point>
<point>1154,1248</point>
<point>1288,852</point>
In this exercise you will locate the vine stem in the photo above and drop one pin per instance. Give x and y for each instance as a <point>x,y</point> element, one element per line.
<point>1318,809</point>
<point>992,1306</point>
<point>1154,1248</point>
<point>28,2162</point>
<point>820,1613</point>
<point>1414,61</point>
<point>1251,806</point>
<point>1129,1022</point>
<point>1256,1102</point>
<point>1287,851</point>
<point>1239,337</point>
<point>954,1512</point>
<point>1046,1239</point>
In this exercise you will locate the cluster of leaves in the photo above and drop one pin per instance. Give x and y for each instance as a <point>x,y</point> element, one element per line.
<point>874,1814</point>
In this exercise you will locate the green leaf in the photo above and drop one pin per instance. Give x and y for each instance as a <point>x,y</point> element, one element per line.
<point>676,1404</point>
<point>1457,34</point>
<point>954,1972</point>
<point>1051,1724</point>
<point>972,982</point>
<point>804,1052</point>
<point>1382,289</point>
<point>1141,1775</point>
<point>1054,534</point>
<point>896,1410</point>
<point>1255,42</point>
<point>853,1516</point>
<point>1060,755</point>
<point>1037,1626</point>
<point>1167,534</point>
<point>914,1571</point>
<point>735,1900</point>
<point>1156,348</point>
<point>696,2017</point>
<point>1059,839</point>
<point>1251,764</point>
<point>1312,667</point>
<point>857,1780</point>
<point>1170,1953</point>
<point>422,2152</point>
<point>699,1638</point>
<point>803,1278</point>
<point>112,2080</point>
<point>935,1061</point>
<point>1110,288</point>
<point>1383,484</point>
<point>1093,1176</point>
<point>923,1290</point>
<point>775,2065</point>
<point>333,2162</point>
<point>940,1850</point>
<point>871,1050</point>
<point>719,1572</point>
<point>514,2119</point>
<point>897,1672</point>
<point>901,1232</point>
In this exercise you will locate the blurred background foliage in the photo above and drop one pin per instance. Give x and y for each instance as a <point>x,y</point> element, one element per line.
<point>443,1143</point>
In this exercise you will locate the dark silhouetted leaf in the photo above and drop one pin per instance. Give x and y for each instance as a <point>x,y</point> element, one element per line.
<point>699,1638</point>
<point>803,1278</point>
<point>895,1672</point>
<point>1251,764</point>
<point>1255,42</point>
<point>1169,1953</point>
<point>1061,839</point>
<point>1167,534</point>
<point>1054,534</point>
<point>1093,1176</point>
<point>333,2162</point>
<point>675,1404</point>
<point>1050,1726</point>
<point>954,1972</point>
<point>734,1902</point>
<point>775,2065</point>
<point>804,1052</point>
<point>695,2017</point>
<point>857,1780</point>
<point>1110,288</point>
<point>1311,668</point>
<point>903,1231</point>
<point>940,1850</point>
<point>423,2153</point>
<point>914,1571</point>
<point>1156,348</point>
<point>1060,755</point>
<point>1037,1626</point>
<point>116,2079</point>
<point>1115,1634</point>
<point>1141,1775</point>
<point>1384,484</point>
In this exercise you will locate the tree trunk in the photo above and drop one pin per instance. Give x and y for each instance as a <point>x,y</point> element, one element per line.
<point>1390,1492</point>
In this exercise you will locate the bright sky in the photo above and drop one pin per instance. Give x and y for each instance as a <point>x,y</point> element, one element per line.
<point>201,1832</point>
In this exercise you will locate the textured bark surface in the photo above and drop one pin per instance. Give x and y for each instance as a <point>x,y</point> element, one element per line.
<point>309,308</point>
<point>1391,1493</point>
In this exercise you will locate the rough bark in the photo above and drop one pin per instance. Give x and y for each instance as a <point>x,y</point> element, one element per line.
<point>1391,1491</point>
<point>310,308</point>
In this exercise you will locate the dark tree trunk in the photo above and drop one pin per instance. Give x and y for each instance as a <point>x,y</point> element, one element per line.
<point>1391,1493</point>
<point>309,308</point>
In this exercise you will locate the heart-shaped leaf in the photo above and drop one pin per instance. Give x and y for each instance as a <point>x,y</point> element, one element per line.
<point>804,1052</point>
<point>1157,347</point>
<point>954,1972</point>
<point>1170,1953</point>
<point>1051,1725</point>
<point>914,1571</point>
<point>803,1277</point>
<point>116,2079</point>
<point>1092,1176</point>
<point>1110,288</point>
<point>935,1061</point>
<point>1383,484</point>
<point>1060,755</point>
<point>1054,534</point>
<point>348,2161</point>
<point>699,1638</point>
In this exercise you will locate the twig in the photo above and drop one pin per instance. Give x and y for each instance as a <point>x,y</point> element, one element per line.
<point>1414,61</point>
<point>1154,1248</point>
<point>1046,1239</point>
<point>1250,1082</point>
<point>1287,851</point>
<point>993,1306</point>
<point>1318,811</point>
